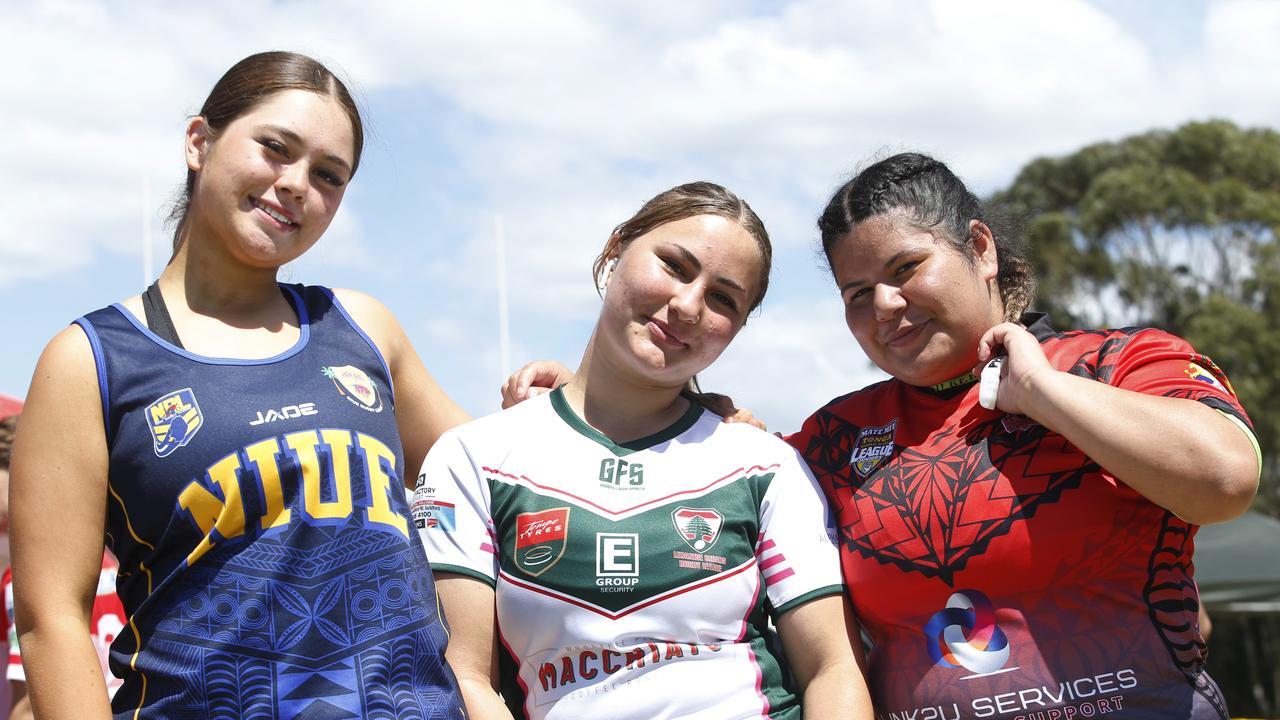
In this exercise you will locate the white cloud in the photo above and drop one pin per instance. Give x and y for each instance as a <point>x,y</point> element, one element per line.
<point>790,361</point>
<point>565,116</point>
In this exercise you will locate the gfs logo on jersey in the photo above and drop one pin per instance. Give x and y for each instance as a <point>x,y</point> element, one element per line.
<point>540,539</point>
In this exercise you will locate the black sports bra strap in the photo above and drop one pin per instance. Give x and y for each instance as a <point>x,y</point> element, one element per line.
<point>158,318</point>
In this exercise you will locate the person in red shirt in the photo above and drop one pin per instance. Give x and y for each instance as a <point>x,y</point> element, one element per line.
<point>1032,559</point>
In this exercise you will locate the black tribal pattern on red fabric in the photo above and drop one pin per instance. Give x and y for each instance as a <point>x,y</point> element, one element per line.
<point>1171,599</point>
<point>937,503</point>
<point>933,507</point>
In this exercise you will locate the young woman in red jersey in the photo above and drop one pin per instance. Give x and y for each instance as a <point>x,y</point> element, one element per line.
<point>1033,558</point>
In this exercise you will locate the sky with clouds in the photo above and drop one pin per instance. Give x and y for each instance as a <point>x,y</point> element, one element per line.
<point>558,118</point>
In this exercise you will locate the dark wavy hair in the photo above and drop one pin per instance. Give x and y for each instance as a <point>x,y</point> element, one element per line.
<point>938,202</point>
<point>249,83</point>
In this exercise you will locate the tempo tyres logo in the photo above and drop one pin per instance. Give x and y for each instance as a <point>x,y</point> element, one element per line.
<point>965,634</point>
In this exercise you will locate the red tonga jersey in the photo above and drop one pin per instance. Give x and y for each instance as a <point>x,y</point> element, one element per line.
<point>999,571</point>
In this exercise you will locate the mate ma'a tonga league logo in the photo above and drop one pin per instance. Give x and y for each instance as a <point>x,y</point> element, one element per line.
<point>540,539</point>
<point>873,446</point>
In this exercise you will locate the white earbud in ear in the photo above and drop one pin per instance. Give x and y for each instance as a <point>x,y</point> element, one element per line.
<point>604,276</point>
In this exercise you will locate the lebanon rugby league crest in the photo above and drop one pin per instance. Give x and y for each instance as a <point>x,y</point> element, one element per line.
<point>699,527</point>
<point>175,419</point>
<point>540,539</point>
<point>355,385</point>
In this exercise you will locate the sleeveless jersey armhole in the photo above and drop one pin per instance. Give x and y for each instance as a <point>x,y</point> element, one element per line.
<point>391,389</point>
<point>100,366</point>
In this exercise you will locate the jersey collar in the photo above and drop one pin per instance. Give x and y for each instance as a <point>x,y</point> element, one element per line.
<point>1036,323</point>
<point>571,418</point>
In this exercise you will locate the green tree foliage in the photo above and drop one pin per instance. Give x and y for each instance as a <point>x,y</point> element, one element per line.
<point>1174,229</point>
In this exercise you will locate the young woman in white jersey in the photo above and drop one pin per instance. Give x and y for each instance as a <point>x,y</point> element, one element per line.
<point>616,549</point>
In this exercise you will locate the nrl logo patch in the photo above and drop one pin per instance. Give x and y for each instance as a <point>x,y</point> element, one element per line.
<point>873,446</point>
<point>355,385</point>
<point>540,539</point>
<point>174,419</point>
<point>698,527</point>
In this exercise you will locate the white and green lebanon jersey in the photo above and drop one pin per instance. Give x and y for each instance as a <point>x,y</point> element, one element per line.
<point>632,580</point>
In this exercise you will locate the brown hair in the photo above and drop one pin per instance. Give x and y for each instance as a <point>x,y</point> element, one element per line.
<point>250,82</point>
<point>684,201</point>
<point>8,426</point>
<point>937,202</point>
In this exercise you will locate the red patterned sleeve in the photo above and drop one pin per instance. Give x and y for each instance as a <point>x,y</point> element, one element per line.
<point>1157,363</point>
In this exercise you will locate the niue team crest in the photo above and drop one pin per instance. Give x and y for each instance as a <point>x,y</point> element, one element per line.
<point>355,385</point>
<point>698,527</point>
<point>540,539</point>
<point>174,419</point>
<point>873,446</point>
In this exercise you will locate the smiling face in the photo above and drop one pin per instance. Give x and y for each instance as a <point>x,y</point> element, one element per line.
<point>916,304</point>
<point>269,184</point>
<point>677,296</point>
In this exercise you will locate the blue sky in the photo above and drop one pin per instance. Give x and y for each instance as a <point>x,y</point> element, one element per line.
<point>562,118</point>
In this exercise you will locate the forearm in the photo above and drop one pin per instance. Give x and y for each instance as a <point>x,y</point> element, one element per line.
<point>838,691</point>
<point>483,703</point>
<point>21,708</point>
<point>1180,454</point>
<point>64,677</point>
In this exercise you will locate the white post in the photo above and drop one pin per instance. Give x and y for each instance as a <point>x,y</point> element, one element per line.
<point>147,250</point>
<point>504,327</point>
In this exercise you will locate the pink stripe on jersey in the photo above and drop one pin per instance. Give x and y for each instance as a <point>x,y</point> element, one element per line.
<point>778,576</point>
<point>656,501</point>
<point>751,654</point>
<point>765,546</point>
<point>766,564</point>
<point>563,597</point>
<point>488,548</point>
<point>528,697</point>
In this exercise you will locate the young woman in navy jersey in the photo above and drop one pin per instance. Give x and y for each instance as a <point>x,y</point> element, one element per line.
<point>237,442</point>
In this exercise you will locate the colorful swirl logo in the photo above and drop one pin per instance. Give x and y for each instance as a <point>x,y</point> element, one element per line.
<point>965,634</point>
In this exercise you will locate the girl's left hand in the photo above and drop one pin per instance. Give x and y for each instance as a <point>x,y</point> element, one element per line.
<point>1024,365</point>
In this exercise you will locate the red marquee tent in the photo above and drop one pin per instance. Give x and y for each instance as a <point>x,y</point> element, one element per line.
<point>9,406</point>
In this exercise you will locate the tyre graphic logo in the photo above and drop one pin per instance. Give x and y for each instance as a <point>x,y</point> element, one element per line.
<point>538,555</point>
<point>965,634</point>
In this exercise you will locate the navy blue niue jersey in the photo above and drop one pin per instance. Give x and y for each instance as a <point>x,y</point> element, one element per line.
<point>258,511</point>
